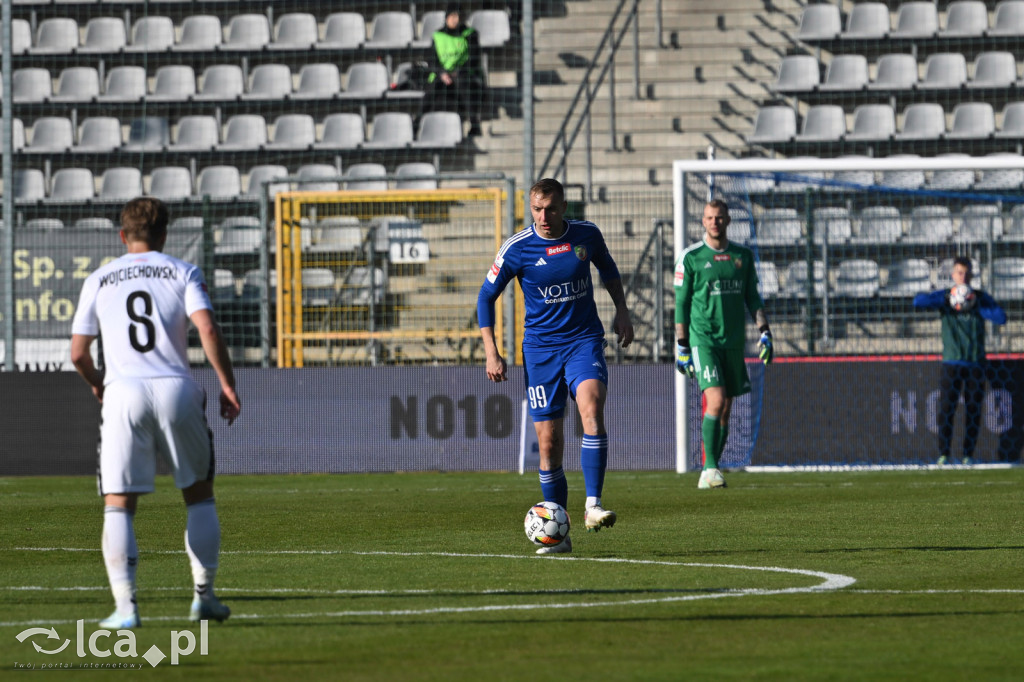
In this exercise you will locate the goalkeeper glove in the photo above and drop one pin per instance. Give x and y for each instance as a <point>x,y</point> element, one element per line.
<point>764,347</point>
<point>684,363</point>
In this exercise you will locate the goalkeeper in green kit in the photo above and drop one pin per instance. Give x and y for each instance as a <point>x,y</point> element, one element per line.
<point>714,281</point>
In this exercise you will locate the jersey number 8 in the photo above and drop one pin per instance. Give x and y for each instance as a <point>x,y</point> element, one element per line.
<point>143,321</point>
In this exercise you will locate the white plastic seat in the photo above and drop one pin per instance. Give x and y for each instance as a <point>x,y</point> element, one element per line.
<point>152,34</point>
<point>879,225</point>
<point>342,131</point>
<point>120,184</point>
<point>44,224</point>
<point>903,179</point>
<point>867,21</point>
<point>972,121</point>
<point>1014,231</point>
<point>29,185</point>
<point>150,133</point>
<point>439,129</point>
<point>366,80</point>
<point>223,289</point>
<point>797,73</point>
<point>219,182</point>
<point>773,124</point>
<point>1008,178</point>
<point>916,20</point>
<point>73,184</point>
<point>799,181</point>
<point>391,30</point>
<point>945,70</point>
<point>415,168</point>
<point>31,84</point>
<point>77,84</point>
<point>94,223</point>
<point>239,239</point>
<point>1013,121</point>
<point>872,123</point>
<point>247,32</point>
<point>853,177</point>
<point>293,132</point>
<point>965,19</point>
<point>355,173</point>
<point>823,123</point>
<point>244,132</point>
<point>17,134</point>
<point>124,84</point>
<point>221,82</point>
<point>430,22</point>
<point>356,290</point>
<point>907,278</point>
<point>99,134</point>
<point>797,280</point>
<point>51,134</point>
<point>779,227</point>
<point>820,22</point>
<point>318,81</point>
<point>253,284</point>
<point>56,35</point>
<point>343,30</point>
<point>1008,278</point>
<point>317,286</point>
<point>979,221</point>
<point>994,70</point>
<point>341,234</point>
<point>170,183</point>
<point>492,25</point>
<point>196,133</point>
<point>200,32</point>
<point>846,72</point>
<point>260,180</point>
<point>270,82</point>
<point>295,31</point>
<point>1008,19</point>
<point>894,72</point>
<point>767,278</point>
<point>390,130</point>
<point>21,36</point>
<point>833,222</point>
<point>929,225</point>
<point>858,278</point>
<point>173,83</point>
<point>923,121</point>
<point>741,226</point>
<point>104,34</point>
<point>312,176</point>
<point>953,179</point>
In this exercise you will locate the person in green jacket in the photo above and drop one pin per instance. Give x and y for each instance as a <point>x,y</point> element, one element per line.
<point>456,78</point>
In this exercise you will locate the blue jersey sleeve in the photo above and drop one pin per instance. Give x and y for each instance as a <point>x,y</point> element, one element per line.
<point>989,309</point>
<point>603,260</point>
<point>931,301</point>
<point>501,273</point>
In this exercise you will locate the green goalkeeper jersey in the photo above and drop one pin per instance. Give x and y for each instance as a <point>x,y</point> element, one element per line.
<point>712,289</point>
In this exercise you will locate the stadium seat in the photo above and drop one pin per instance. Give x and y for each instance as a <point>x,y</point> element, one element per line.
<point>21,36</point>
<point>343,30</point>
<point>260,180</point>
<point>152,34</point>
<point>797,280</point>
<point>29,185</point>
<point>292,132</point>
<point>946,70</point>
<point>253,284</point>
<point>200,33</point>
<point>295,31</point>
<point>894,72</point>
<point>77,84</point>
<point>318,81</point>
<point>965,19</point>
<point>1014,231</point>
<point>858,278</point>
<point>244,132</point>
<point>846,72</point>
<point>908,278</point>
<point>104,34</point>
<point>1013,121</point>
<point>56,35</point>
<point>342,131</point>
<point>879,225</point>
<point>221,82</point>
<point>980,221</point>
<point>270,82</point>
<point>312,176</point>
<point>929,225</point>
<point>50,135</point>
<point>238,239</point>
<point>800,180</point>
<point>355,173</point>
<point>391,30</point>
<point>196,133</point>
<point>223,289</point>
<point>853,177</point>
<point>17,134</point>
<point>407,171</point>
<point>173,83</point>
<point>439,129</point>
<point>390,130</point>
<point>1005,179</point>
<point>994,70</point>
<point>120,184</point>
<point>773,124</point>
<point>797,73</point>
<point>820,22</point>
<point>341,234</point>
<point>170,183</point>
<point>823,123</point>
<point>124,84</point>
<point>872,123</point>
<point>99,134</point>
<point>741,227</point>
<point>356,288</point>
<point>73,184</point>
<point>429,23</point>
<point>1008,19</point>
<point>247,32</point>
<point>94,223</point>
<point>219,182</point>
<point>833,221</point>
<point>972,121</point>
<point>903,179</point>
<point>916,20</point>
<point>923,121</point>
<point>150,133</point>
<point>1008,278</point>
<point>406,82</point>
<point>318,286</point>
<point>779,227</point>
<point>767,278</point>
<point>366,80</point>
<point>44,224</point>
<point>867,21</point>
<point>31,85</point>
<point>951,180</point>
<point>492,25</point>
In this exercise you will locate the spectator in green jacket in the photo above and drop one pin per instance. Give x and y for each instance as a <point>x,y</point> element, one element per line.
<point>456,78</point>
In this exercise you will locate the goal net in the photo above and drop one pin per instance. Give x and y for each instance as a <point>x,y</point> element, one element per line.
<point>842,247</point>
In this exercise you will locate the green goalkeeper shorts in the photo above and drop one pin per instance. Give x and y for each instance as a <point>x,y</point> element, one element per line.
<point>723,367</point>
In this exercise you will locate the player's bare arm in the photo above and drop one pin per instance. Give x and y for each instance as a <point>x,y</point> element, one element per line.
<point>81,358</point>
<point>217,353</point>
<point>622,325</point>
<point>497,368</point>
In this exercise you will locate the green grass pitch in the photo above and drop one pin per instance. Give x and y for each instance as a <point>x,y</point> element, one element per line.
<point>911,575</point>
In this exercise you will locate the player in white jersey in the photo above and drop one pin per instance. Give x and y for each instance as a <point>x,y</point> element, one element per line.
<point>141,304</point>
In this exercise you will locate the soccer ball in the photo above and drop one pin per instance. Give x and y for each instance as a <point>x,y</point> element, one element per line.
<point>547,523</point>
<point>962,298</point>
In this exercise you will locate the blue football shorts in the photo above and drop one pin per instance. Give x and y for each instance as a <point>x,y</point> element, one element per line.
<point>553,372</point>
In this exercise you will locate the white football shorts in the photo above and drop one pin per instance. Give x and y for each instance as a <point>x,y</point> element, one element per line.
<point>144,418</point>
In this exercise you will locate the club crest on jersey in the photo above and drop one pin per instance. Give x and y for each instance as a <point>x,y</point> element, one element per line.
<point>581,252</point>
<point>738,263</point>
<point>561,248</point>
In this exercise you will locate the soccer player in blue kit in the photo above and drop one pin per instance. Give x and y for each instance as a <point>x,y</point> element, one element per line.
<point>563,341</point>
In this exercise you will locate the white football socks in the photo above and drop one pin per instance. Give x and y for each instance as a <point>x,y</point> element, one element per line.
<point>202,542</point>
<point>121,556</point>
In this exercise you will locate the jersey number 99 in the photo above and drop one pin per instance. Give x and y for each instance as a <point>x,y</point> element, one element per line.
<point>538,398</point>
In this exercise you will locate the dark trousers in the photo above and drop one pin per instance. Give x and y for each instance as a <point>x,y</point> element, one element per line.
<point>954,381</point>
<point>465,96</point>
